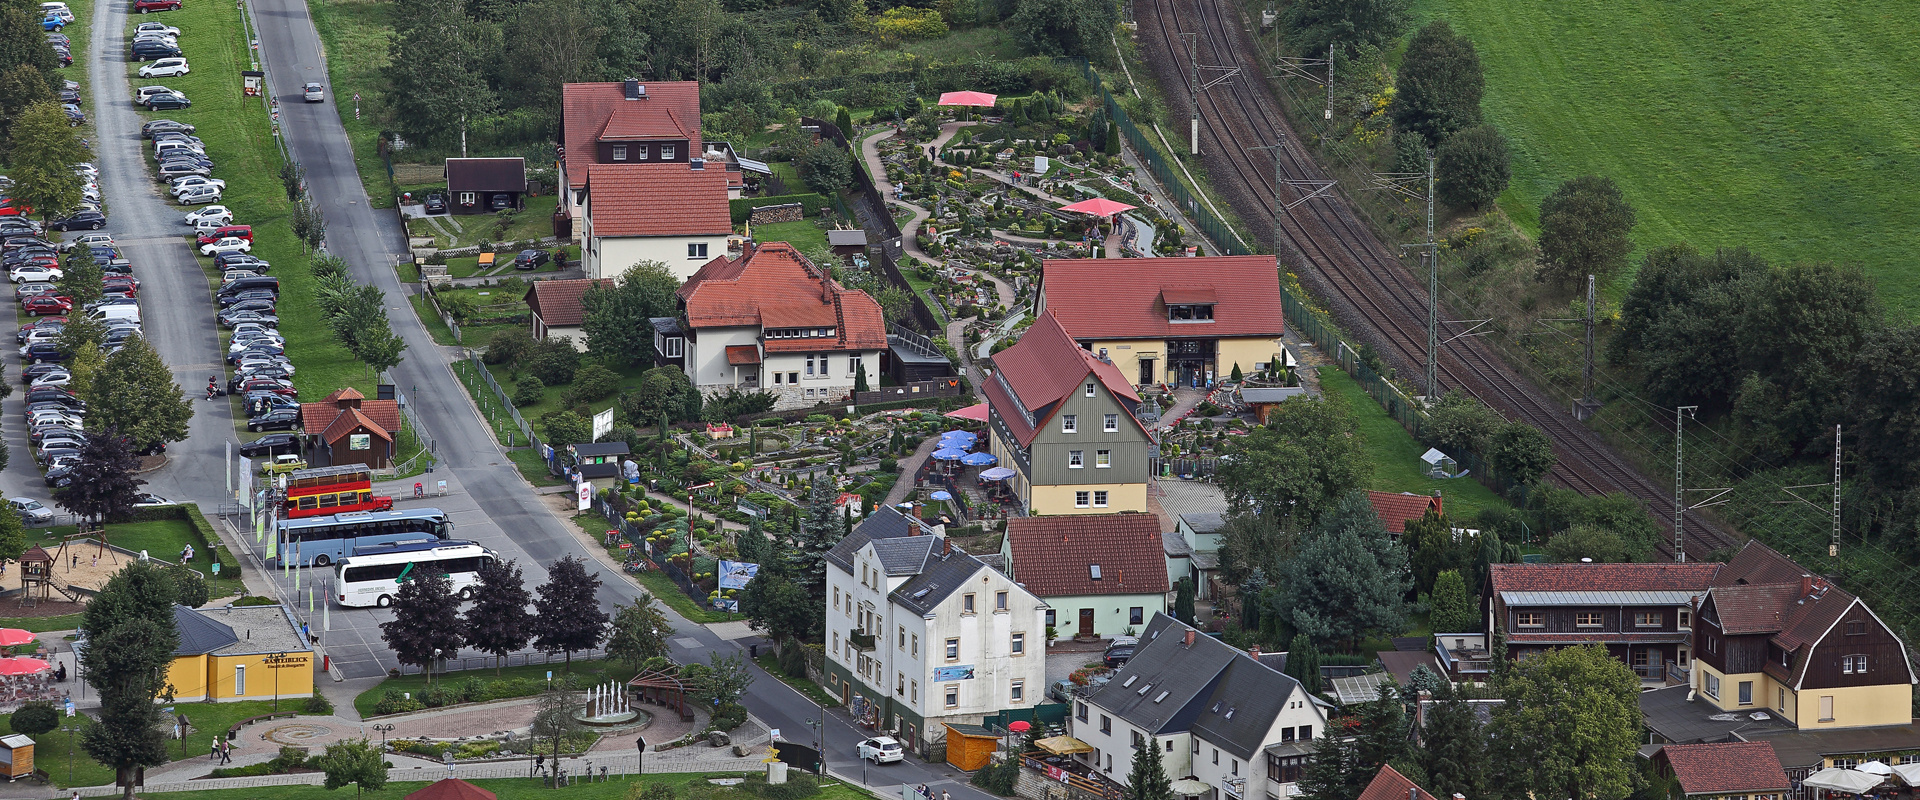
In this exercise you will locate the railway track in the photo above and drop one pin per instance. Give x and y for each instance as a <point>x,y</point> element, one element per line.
<point>1369,291</point>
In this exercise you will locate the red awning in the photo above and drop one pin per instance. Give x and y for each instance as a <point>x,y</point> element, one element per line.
<point>740,355</point>
<point>1099,207</point>
<point>968,99</point>
<point>976,412</point>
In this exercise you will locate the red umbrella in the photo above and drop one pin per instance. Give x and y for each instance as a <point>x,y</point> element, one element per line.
<point>10,637</point>
<point>23,666</point>
<point>968,99</point>
<point>1098,206</point>
<point>1018,726</point>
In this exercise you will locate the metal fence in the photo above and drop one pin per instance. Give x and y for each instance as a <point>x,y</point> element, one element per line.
<point>872,201</point>
<point>500,395</point>
<point>512,660</point>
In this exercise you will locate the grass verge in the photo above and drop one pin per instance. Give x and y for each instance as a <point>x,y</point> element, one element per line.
<point>1396,455</point>
<point>508,789</point>
<point>533,467</point>
<point>208,719</point>
<point>771,663</point>
<point>586,672</point>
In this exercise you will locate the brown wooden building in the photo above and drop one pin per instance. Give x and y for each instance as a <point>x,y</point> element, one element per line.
<point>1642,613</point>
<point>347,428</point>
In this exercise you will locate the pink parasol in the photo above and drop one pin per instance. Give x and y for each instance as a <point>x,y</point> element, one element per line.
<point>1098,206</point>
<point>968,99</point>
<point>10,637</point>
<point>976,412</point>
<point>1019,726</point>
<point>23,666</point>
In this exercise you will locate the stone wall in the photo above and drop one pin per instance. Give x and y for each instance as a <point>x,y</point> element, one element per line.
<point>785,212</point>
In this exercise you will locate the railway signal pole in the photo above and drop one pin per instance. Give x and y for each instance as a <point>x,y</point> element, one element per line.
<point>1193,60</point>
<point>1298,68</point>
<point>1833,545</point>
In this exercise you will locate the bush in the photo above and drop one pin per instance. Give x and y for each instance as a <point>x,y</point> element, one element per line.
<point>439,695</point>
<point>728,716</point>
<point>393,701</point>
<point>506,347</point>
<point>319,704</point>
<point>528,390</point>
<point>1473,168</point>
<point>594,382</point>
<point>553,360</point>
<point>35,718</point>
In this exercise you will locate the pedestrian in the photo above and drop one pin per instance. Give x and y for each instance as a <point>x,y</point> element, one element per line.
<point>60,673</point>
<point>213,752</point>
<point>540,763</point>
<point>226,752</point>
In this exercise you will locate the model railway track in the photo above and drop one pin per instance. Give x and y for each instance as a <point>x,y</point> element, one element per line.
<point>1370,293</point>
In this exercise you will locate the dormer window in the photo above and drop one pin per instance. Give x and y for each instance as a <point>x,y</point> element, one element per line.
<point>666,152</point>
<point>1195,312</point>
<point>619,152</point>
<point>640,152</point>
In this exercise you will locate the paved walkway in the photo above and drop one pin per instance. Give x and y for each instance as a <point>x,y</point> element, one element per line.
<point>909,467</point>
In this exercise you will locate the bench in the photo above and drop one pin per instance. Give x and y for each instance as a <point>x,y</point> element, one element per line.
<point>234,732</point>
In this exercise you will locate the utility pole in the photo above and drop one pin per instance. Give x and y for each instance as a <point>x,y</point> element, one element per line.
<point>1298,68</point>
<point>1680,414</point>
<point>1307,189</point>
<point>1587,371</point>
<point>1833,547</point>
<point>1193,60</point>
<point>1433,286</point>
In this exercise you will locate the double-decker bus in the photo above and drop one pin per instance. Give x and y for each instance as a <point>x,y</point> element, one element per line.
<point>332,490</point>
<point>321,541</point>
<point>372,575</point>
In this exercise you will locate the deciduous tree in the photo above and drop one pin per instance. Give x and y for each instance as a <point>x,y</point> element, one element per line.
<point>1437,89</point>
<point>144,403</point>
<point>1473,168</point>
<point>616,319</point>
<point>356,762</point>
<point>1346,24</point>
<point>498,622</point>
<point>426,620</point>
<point>103,482</point>
<point>1458,423</point>
<point>1588,542</point>
<point>1522,453</point>
<point>662,392</point>
<point>437,72</point>
<point>1301,462</point>
<point>724,680</point>
<point>1570,726</point>
<point>568,615</point>
<point>80,277</point>
<point>1584,227</point>
<point>1067,27</point>
<point>1882,413</point>
<point>640,632</point>
<point>41,151</point>
<point>131,640</point>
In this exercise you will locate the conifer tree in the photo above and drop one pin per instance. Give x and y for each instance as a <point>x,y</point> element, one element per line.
<point>1148,779</point>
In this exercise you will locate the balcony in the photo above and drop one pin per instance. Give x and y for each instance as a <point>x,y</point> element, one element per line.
<point>858,640</point>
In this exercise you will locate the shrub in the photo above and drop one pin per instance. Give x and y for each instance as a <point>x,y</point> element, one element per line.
<point>528,390</point>
<point>506,347</point>
<point>728,716</point>
<point>1473,168</point>
<point>552,359</point>
<point>393,701</point>
<point>438,695</point>
<point>35,718</point>
<point>319,704</point>
<point>594,382</point>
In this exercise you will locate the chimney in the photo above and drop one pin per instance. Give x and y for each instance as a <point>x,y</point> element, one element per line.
<point>633,89</point>
<point>1413,793</point>
<point>1806,585</point>
<point>949,548</point>
<point>1187,640</point>
<point>1459,796</point>
<point>1254,652</point>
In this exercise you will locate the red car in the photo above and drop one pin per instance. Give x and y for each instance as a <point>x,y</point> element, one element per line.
<point>144,6</point>
<point>275,385</point>
<point>120,287</point>
<point>47,304</point>
<point>10,207</point>
<point>224,231</point>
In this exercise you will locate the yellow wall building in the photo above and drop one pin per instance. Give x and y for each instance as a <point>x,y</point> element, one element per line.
<point>1186,322</point>
<point>246,653</point>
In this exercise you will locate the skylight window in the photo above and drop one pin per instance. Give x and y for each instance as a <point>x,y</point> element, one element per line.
<point>1160,697</point>
<point>1144,689</point>
<point>1130,680</point>
<point>1094,570</point>
<point>1229,714</point>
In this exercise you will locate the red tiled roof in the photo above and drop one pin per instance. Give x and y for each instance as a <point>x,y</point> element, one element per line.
<point>1725,767</point>
<point>1042,369</point>
<point>345,393</point>
<point>773,286</point>
<point>1396,510</point>
<point>1054,556</point>
<point>1754,609</point>
<point>315,418</point>
<point>1100,298</point>
<point>1662,577</point>
<point>349,421</point>
<point>740,355</point>
<point>1761,591</point>
<point>657,200</point>
<point>638,120</point>
<point>587,107</point>
<point>486,174</point>
<point>1389,784</point>
<point>558,302</point>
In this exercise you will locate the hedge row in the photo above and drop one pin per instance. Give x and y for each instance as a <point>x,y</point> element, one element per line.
<point>209,540</point>
<point>810,204</point>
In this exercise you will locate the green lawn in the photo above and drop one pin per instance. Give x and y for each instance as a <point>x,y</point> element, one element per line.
<point>804,234</point>
<point>771,663</point>
<point>355,35</point>
<point>163,539</point>
<point>550,396</point>
<point>1396,455</point>
<point>1786,127</point>
<point>586,672</point>
<point>533,222</point>
<point>504,788</point>
<point>209,720</point>
<point>533,467</point>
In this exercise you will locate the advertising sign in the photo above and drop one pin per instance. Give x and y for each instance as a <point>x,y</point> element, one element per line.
<point>602,424</point>
<point>360,441</point>
<point>584,492</point>
<point>736,574</point>
<point>963,672</point>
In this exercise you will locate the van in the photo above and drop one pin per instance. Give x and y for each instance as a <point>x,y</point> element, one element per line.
<point>234,287</point>
<point>162,149</point>
<point>128,312</point>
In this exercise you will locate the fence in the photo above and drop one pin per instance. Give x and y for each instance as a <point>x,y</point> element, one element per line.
<point>1217,230</point>
<point>434,301</point>
<point>943,387</point>
<point>872,201</point>
<point>473,360</point>
<point>512,660</point>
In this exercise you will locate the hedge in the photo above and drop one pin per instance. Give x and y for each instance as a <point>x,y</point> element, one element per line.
<point>810,204</point>
<point>209,539</point>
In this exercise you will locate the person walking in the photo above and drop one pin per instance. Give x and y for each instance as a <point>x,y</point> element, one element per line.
<point>213,753</point>
<point>226,752</point>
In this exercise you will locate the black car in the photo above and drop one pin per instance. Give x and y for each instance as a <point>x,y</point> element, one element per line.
<point>500,203</point>
<point>55,394</point>
<point>83,220</point>
<point>436,203</point>
<point>530,259</point>
<point>235,260</point>
<point>1120,650</point>
<point>251,294</point>
<point>60,476</point>
<point>167,102</point>
<point>272,444</point>
<point>42,352</point>
<point>69,96</point>
<point>164,126</point>
<point>283,419</point>
<point>260,348</point>
<point>153,51</point>
<point>36,370</point>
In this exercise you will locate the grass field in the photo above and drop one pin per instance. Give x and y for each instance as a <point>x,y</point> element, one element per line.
<point>1396,455</point>
<point>1786,127</point>
<point>209,720</point>
<point>355,34</point>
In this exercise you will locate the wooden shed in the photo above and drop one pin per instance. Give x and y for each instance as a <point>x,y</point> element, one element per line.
<point>970,747</point>
<point>16,754</point>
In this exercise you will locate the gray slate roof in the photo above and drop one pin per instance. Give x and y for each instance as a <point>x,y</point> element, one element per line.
<point>885,522</point>
<point>198,634</point>
<point>904,555</point>
<point>944,572</point>
<point>1165,664</point>
<point>1204,521</point>
<point>936,571</point>
<point>1241,709</point>
<point>1175,544</point>
<point>841,238</point>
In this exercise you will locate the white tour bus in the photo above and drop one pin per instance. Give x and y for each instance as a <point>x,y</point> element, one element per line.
<point>372,575</point>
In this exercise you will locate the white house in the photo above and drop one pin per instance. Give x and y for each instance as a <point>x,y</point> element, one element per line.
<point>920,633</point>
<point>674,213</point>
<point>771,320</point>
<point>1214,714</point>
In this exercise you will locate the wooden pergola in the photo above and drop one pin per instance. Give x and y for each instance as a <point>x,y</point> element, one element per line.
<point>662,687</point>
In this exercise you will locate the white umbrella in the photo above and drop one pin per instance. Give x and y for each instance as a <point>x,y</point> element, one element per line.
<point>1875,768</point>
<point>1909,773</point>
<point>1841,780</point>
<point>1188,787</point>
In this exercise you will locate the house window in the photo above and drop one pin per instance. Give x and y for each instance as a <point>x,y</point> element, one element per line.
<point>1746,693</point>
<point>853,364</point>
<point>1110,423</point>
<point>240,679</point>
<point>1856,627</point>
<point>1100,498</point>
<point>1102,459</point>
<point>915,650</point>
<point>1080,499</point>
<point>697,250</point>
<point>900,683</point>
<point>1216,756</point>
<point>1019,646</point>
<point>793,377</point>
<point>1089,389</point>
<point>1017,693</point>
<point>914,687</point>
<point>1531,619</point>
<point>1169,745</point>
<point>1136,615</point>
<point>1236,765</point>
<point>953,696</point>
<point>619,152</point>
<point>1106,725</point>
<point>836,596</point>
<point>1683,618</point>
<point>1049,617</point>
<point>466,198</point>
<point>966,604</point>
<point>953,649</point>
<point>778,378</point>
<point>1647,619</point>
<point>1080,711</point>
<point>1782,704</point>
<point>1306,733</point>
<point>1000,601</point>
<point>1076,459</point>
<point>836,643</point>
<point>1853,664</point>
<point>1826,708</point>
<point>1069,423</point>
<point>1713,686</point>
<point>903,639</point>
<point>666,152</point>
<point>1587,619</point>
<point>809,365</point>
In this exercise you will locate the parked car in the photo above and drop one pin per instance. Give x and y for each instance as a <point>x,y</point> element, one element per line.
<point>198,195</point>
<point>182,184</point>
<point>500,203</point>
<point>271,444</point>
<point>279,419</point>
<point>42,352</point>
<point>149,500</point>
<point>228,244</point>
<point>224,231</point>
<point>436,203</point>
<point>31,511</point>
<point>144,6</point>
<point>313,93</point>
<point>1120,650</point>
<point>151,50</point>
<point>530,259</point>
<point>164,126</point>
<point>175,169</point>
<point>880,750</point>
<point>165,68</point>
<point>33,272</point>
<point>87,240</point>
<point>244,261</point>
<point>89,220</point>
<point>168,102</point>
<point>155,27</point>
<point>46,304</point>
<point>210,212</point>
<point>268,295</point>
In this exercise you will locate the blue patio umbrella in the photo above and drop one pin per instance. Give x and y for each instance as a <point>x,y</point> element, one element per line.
<point>978,459</point>
<point>958,438</point>
<point>942,496</point>
<point>949,454</point>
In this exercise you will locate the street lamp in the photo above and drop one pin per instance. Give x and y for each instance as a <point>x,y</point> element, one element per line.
<point>436,657</point>
<point>819,751</point>
<point>383,729</point>
<point>275,665</point>
<point>71,728</point>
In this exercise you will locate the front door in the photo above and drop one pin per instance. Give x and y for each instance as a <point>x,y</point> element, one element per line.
<point>1086,623</point>
<point>1146,372</point>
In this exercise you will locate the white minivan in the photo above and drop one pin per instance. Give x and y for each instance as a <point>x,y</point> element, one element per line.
<point>128,312</point>
<point>165,68</point>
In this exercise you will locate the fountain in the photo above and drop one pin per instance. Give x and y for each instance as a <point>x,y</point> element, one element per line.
<point>608,706</point>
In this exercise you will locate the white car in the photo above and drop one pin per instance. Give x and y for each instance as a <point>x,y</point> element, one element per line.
<point>881,749</point>
<point>141,94</point>
<point>33,272</point>
<point>198,195</point>
<point>87,240</point>
<point>156,27</point>
<point>185,182</point>
<point>221,214</point>
<point>87,169</point>
<point>61,378</point>
<point>147,500</point>
<point>165,68</point>
<point>30,510</point>
<point>230,244</point>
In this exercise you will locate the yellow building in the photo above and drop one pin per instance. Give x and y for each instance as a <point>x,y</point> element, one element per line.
<point>1183,321</point>
<point>246,653</point>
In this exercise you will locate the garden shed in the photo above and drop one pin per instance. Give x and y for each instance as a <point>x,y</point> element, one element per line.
<point>970,747</point>
<point>16,755</point>
<point>1440,465</point>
